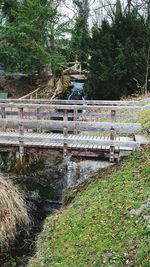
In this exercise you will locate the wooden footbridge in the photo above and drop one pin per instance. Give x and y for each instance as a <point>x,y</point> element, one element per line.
<point>82,128</point>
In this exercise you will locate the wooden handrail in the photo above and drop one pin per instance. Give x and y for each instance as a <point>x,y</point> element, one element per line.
<point>55,114</point>
<point>75,102</point>
<point>30,95</point>
<point>53,125</point>
<point>72,107</point>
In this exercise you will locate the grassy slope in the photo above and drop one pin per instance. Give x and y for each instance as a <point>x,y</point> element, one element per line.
<point>96,229</point>
<point>144,119</point>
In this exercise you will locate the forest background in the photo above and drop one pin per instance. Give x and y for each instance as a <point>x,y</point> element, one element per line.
<point>110,38</point>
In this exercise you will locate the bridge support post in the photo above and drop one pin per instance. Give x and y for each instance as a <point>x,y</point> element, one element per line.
<point>21,142</point>
<point>21,151</point>
<point>39,130</point>
<point>3,115</point>
<point>65,116</point>
<point>65,147</point>
<point>65,134</point>
<point>113,115</point>
<point>112,148</point>
<point>75,119</point>
<point>20,113</point>
<point>112,136</point>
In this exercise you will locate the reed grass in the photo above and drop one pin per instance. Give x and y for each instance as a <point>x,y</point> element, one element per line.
<point>13,213</point>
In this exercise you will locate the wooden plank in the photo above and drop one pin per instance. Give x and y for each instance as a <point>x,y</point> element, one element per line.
<point>70,115</point>
<point>76,143</point>
<point>141,139</point>
<point>147,107</point>
<point>70,107</point>
<point>80,102</point>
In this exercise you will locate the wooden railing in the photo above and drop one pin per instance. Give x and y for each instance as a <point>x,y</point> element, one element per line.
<point>78,112</point>
<point>30,99</point>
<point>32,95</point>
<point>47,116</point>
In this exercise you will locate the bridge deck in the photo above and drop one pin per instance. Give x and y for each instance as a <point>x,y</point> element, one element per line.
<point>80,141</point>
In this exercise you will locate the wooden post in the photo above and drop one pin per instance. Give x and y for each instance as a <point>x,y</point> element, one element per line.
<point>65,116</point>
<point>65,135</point>
<point>112,148</point>
<point>20,113</point>
<point>85,105</point>
<point>113,115</point>
<point>112,136</point>
<point>21,135</point>
<point>21,141</point>
<point>75,119</point>
<point>38,118</point>
<point>3,115</point>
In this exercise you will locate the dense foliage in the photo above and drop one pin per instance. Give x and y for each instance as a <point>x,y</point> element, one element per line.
<point>119,52</point>
<point>34,38</point>
<point>29,35</point>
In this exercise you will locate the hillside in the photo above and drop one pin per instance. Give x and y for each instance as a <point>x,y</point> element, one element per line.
<point>107,223</point>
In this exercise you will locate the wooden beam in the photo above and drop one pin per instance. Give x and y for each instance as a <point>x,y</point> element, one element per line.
<point>48,142</point>
<point>76,102</point>
<point>71,125</point>
<point>71,107</point>
<point>87,115</point>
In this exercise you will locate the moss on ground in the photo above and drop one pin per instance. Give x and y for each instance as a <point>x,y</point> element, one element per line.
<point>97,228</point>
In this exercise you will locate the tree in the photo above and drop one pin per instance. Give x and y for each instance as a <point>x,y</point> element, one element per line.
<point>118,12</point>
<point>129,3</point>
<point>118,59</point>
<point>28,43</point>
<point>100,82</point>
<point>80,33</point>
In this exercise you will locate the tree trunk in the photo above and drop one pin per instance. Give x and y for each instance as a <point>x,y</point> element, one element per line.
<point>129,2</point>
<point>148,9</point>
<point>147,71</point>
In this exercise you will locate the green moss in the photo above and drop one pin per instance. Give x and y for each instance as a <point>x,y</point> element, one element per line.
<point>97,229</point>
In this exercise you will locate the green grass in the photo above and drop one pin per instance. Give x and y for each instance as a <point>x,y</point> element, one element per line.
<point>144,119</point>
<point>97,229</point>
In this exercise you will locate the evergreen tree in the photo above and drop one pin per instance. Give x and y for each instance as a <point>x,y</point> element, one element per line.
<point>28,41</point>
<point>80,33</point>
<point>7,8</point>
<point>117,65</point>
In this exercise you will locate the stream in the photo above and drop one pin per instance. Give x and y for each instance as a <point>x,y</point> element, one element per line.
<point>48,180</point>
<point>77,91</point>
